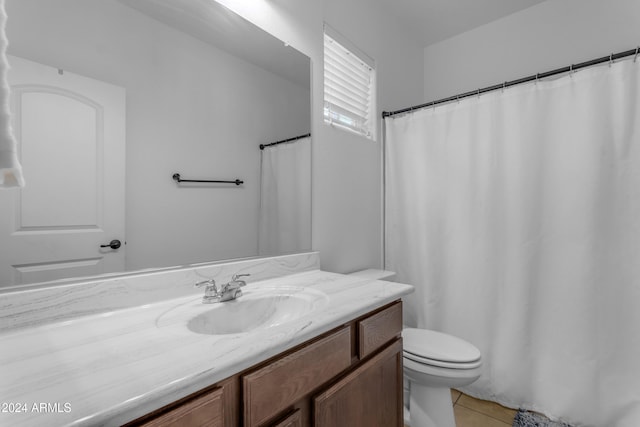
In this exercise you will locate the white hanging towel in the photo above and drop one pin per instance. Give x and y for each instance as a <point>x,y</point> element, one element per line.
<point>10,169</point>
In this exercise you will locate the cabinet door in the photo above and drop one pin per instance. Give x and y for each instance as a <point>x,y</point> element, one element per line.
<point>204,411</point>
<point>369,396</point>
<point>271,389</point>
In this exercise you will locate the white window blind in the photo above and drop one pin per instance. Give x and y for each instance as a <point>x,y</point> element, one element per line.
<point>349,83</point>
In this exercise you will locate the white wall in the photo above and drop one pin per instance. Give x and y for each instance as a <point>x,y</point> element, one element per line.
<point>191,108</point>
<point>547,36</point>
<point>347,190</point>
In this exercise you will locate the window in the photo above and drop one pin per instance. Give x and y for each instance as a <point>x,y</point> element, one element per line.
<point>349,86</point>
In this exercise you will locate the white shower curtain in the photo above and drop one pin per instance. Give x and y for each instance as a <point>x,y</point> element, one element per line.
<point>285,198</point>
<point>516,215</point>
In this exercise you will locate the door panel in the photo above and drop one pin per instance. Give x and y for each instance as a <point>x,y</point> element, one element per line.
<point>67,185</point>
<point>71,133</point>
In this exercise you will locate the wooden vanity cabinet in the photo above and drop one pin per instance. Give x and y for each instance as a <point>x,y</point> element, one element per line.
<point>350,376</point>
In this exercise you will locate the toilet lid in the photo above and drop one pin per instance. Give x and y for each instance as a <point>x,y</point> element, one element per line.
<point>440,363</point>
<point>436,346</point>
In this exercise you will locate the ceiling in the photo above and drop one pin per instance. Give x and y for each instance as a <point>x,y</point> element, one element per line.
<point>431,21</point>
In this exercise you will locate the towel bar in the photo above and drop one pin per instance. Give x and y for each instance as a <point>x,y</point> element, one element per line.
<point>176,178</point>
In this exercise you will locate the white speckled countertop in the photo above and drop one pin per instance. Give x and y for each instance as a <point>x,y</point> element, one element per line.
<point>112,367</point>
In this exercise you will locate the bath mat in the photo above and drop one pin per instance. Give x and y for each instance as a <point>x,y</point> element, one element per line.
<point>529,419</point>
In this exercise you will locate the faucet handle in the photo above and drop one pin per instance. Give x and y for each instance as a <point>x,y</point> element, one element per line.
<point>205,282</point>
<point>210,284</point>
<point>235,277</point>
<point>235,283</point>
<point>210,292</point>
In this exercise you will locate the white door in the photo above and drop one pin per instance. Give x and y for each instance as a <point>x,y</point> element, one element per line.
<point>71,136</point>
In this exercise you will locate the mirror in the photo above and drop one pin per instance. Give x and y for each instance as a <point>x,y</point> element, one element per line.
<point>111,99</point>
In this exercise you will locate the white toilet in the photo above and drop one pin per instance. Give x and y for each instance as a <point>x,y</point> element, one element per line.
<point>434,362</point>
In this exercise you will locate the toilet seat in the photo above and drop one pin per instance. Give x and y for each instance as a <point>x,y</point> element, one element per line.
<point>439,349</point>
<point>440,363</point>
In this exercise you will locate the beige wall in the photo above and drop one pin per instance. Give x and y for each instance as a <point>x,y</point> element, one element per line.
<point>547,36</point>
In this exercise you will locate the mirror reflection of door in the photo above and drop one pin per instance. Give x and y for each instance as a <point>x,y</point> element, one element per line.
<point>71,133</point>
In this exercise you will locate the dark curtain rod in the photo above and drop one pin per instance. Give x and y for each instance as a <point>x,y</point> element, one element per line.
<point>262,146</point>
<point>478,92</point>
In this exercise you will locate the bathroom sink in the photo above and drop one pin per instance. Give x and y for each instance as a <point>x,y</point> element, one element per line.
<point>258,308</point>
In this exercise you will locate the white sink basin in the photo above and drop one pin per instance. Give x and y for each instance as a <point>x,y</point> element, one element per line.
<point>259,308</point>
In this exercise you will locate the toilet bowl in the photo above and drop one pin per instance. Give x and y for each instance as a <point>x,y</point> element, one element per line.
<point>435,362</point>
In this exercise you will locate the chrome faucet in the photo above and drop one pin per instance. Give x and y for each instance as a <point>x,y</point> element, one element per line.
<point>227,292</point>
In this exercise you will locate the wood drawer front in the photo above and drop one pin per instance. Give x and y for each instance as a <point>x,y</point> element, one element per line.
<point>278,385</point>
<point>204,411</point>
<point>378,329</point>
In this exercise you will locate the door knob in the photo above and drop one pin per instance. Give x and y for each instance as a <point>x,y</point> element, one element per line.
<point>114,244</point>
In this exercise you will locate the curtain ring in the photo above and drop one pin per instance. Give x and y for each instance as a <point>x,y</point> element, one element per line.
<point>636,57</point>
<point>571,70</point>
<point>610,59</point>
<point>537,74</point>
<point>478,93</point>
<point>504,85</point>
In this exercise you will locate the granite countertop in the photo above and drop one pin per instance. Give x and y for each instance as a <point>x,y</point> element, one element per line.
<point>110,368</point>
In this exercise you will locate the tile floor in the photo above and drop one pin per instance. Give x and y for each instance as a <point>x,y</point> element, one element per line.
<point>471,412</point>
